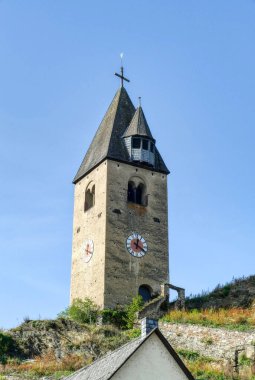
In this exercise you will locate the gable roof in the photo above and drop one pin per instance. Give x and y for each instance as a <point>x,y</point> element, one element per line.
<point>105,367</point>
<point>138,125</point>
<point>108,141</point>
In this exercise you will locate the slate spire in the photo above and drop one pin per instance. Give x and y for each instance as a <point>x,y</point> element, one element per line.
<point>107,142</point>
<point>120,121</point>
<point>138,125</point>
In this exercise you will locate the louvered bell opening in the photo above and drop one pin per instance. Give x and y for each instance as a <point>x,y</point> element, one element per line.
<point>141,150</point>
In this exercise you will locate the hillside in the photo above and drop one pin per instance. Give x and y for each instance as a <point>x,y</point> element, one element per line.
<point>206,338</point>
<point>63,337</point>
<point>237,293</point>
<point>52,349</point>
<point>55,348</point>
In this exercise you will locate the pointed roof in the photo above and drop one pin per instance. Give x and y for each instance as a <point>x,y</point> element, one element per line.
<point>104,368</point>
<point>138,125</point>
<point>108,141</point>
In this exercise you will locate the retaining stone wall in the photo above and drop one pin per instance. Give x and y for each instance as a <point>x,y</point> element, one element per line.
<point>212,342</point>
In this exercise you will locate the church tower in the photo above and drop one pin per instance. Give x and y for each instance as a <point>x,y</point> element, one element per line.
<point>120,226</point>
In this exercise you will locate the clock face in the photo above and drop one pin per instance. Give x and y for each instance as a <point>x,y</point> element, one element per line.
<point>136,245</point>
<point>87,250</point>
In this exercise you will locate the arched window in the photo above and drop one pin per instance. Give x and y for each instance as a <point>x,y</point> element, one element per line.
<point>139,194</point>
<point>145,292</point>
<point>89,196</point>
<point>131,191</point>
<point>137,191</point>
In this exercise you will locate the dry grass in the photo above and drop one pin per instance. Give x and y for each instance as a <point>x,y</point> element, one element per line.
<point>210,369</point>
<point>46,365</point>
<point>235,318</point>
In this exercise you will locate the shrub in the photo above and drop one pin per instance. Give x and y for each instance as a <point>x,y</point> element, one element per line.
<point>26,319</point>
<point>82,311</point>
<point>8,347</point>
<point>132,309</point>
<point>123,318</point>
<point>115,317</point>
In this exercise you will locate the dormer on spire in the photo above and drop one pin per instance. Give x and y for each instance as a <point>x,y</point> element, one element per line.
<point>139,140</point>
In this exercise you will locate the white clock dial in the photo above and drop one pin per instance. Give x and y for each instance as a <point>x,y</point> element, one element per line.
<point>136,245</point>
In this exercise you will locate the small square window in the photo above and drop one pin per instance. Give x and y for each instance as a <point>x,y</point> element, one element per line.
<point>145,144</point>
<point>152,147</point>
<point>136,143</point>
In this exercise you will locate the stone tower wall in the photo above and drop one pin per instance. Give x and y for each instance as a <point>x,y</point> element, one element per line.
<point>87,279</point>
<point>113,276</point>
<point>125,273</point>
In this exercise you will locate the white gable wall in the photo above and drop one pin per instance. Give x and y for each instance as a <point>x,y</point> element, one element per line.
<point>152,361</point>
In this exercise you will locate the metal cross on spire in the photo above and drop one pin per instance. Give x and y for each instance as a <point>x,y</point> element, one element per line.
<point>121,75</point>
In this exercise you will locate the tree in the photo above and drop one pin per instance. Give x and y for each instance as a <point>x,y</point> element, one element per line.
<point>82,311</point>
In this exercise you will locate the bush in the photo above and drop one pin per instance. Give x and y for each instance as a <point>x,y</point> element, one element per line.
<point>123,318</point>
<point>132,309</point>
<point>8,347</point>
<point>86,311</point>
<point>82,311</point>
<point>115,317</point>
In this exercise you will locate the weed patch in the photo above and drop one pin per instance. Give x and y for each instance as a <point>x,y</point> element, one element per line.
<point>232,319</point>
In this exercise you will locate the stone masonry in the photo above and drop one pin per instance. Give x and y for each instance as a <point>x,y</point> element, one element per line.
<point>216,343</point>
<point>87,279</point>
<point>124,272</point>
<point>113,276</point>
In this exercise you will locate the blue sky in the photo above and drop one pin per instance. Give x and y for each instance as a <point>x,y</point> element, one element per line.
<point>192,62</point>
